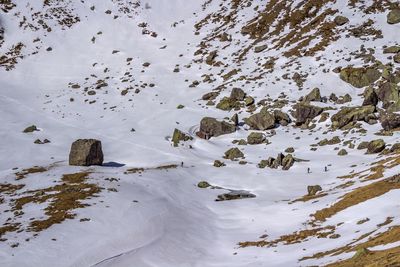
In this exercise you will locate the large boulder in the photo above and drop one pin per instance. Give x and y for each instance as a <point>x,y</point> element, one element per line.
<point>370,97</point>
<point>261,121</point>
<point>86,152</point>
<point>233,154</point>
<point>282,118</point>
<point>314,95</point>
<point>352,114</point>
<point>179,136</point>
<point>360,77</point>
<point>376,146</point>
<point>304,112</point>
<point>390,121</point>
<point>255,138</point>
<point>388,93</point>
<point>393,16</point>
<point>237,94</point>
<point>210,127</point>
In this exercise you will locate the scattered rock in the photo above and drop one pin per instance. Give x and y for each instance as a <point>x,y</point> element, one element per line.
<point>287,162</point>
<point>218,163</point>
<point>235,194</point>
<point>86,152</point>
<point>179,136</point>
<point>31,129</point>
<point>261,121</point>
<point>390,121</point>
<point>370,97</point>
<point>233,154</point>
<point>237,94</point>
<point>203,184</point>
<point>392,49</point>
<point>388,93</point>
<point>396,58</point>
<point>255,138</point>
<point>341,20</point>
<point>342,152</point>
<point>259,49</point>
<point>304,112</point>
<point>360,77</point>
<point>282,118</point>
<point>210,96</point>
<point>210,127</point>
<point>376,146</point>
<point>393,16</point>
<point>289,150</point>
<point>228,103</point>
<point>313,189</point>
<point>363,145</point>
<point>352,114</point>
<point>314,95</point>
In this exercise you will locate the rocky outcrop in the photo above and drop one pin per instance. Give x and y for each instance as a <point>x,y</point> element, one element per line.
<point>233,154</point>
<point>86,152</point>
<point>390,121</point>
<point>305,112</point>
<point>281,160</point>
<point>314,95</point>
<point>210,127</point>
<point>261,121</point>
<point>388,93</point>
<point>282,118</point>
<point>352,114</point>
<point>237,94</point>
<point>360,77</point>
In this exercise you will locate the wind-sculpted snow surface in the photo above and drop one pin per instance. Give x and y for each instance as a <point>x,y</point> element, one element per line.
<point>234,133</point>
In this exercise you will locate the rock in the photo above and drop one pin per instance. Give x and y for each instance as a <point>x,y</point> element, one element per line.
<point>370,97</point>
<point>259,49</point>
<point>395,147</point>
<point>235,119</point>
<point>210,127</point>
<point>390,121</point>
<point>313,189</point>
<point>341,20</point>
<point>227,104</point>
<point>351,114</point>
<point>304,112</point>
<point>233,153</point>
<point>361,252</point>
<point>362,145</point>
<point>342,152</point>
<point>255,138</point>
<point>376,146</point>
<point>235,194</point>
<point>289,150</point>
<point>343,99</point>
<point>210,96</point>
<point>30,129</point>
<point>218,163</point>
<point>282,118</point>
<point>179,136</point>
<point>261,121</point>
<point>360,77</point>
<point>396,58</point>
<point>392,49</point>
<point>211,57</point>
<point>86,152</point>
<point>314,95</point>
<point>388,93</point>
<point>393,16</point>
<point>287,162</point>
<point>237,94</point>
<point>203,184</point>
<point>248,101</point>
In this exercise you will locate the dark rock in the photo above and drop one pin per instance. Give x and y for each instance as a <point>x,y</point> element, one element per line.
<point>393,16</point>
<point>304,112</point>
<point>313,189</point>
<point>255,138</point>
<point>392,49</point>
<point>376,146</point>
<point>314,95</point>
<point>388,93</point>
<point>287,162</point>
<point>282,118</point>
<point>210,96</point>
<point>261,121</point>
<point>341,20</point>
<point>203,184</point>
<point>352,114</point>
<point>390,121</point>
<point>370,97</point>
<point>259,49</point>
<point>342,152</point>
<point>233,153</point>
<point>227,104</point>
<point>86,152</point>
<point>360,77</point>
<point>235,194</point>
<point>31,129</point>
<point>179,136</point>
<point>362,145</point>
<point>218,163</point>
<point>237,94</point>
<point>210,127</point>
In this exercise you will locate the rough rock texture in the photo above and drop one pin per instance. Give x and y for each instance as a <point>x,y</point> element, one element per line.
<point>261,121</point>
<point>255,138</point>
<point>388,93</point>
<point>30,129</point>
<point>376,146</point>
<point>314,95</point>
<point>341,20</point>
<point>390,121</point>
<point>282,118</point>
<point>352,114</point>
<point>370,97</point>
<point>304,112</point>
<point>360,77</point>
<point>287,162</point>
<point>237,94</point>
<point>86,152</point>
<point>313,189</point>
<point>393,16</point>
<point>179,136</point>
<point>210,127</point>
<point>233,153</point>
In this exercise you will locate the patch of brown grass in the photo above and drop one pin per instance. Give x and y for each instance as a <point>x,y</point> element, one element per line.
<point>35,169</point>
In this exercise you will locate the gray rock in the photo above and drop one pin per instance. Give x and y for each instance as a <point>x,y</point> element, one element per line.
<point>86,152</point>
<point>237,94</point>
<point>370,97</point>
<point>313,189</point>
<point>393,16</point>
<point>210,127</point>
<point>233,154</point>
<point>314,95</point>
<point>352,114</point>
<point>376,146</point>
<point>259,49</point>
<point>304,112</point>
<point>341,20</point>
<point>287,162</point>
<point>390,121</point>
<point>255,138</point>
<point>261,121</point>
<point>360,77</point>
<point>235,194</point>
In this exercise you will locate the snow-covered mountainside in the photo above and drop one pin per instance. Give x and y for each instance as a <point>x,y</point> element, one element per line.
<point>235,133</point>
